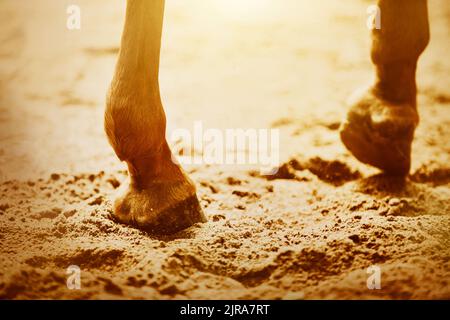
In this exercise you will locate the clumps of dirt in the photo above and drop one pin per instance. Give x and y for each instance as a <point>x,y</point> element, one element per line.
<point>265,239</point>
<point>233,181</point>
<point>287,239</point>
<point>96,201</point>
<point>209,185</point>
<point>87,259</point>
<point>285,171</point>
<point>391,196</point>
<point>47,214</point>
<point>432,173</point>
<point>31,282</point>
<point>34,283</point>
<point>382,184</point>
<point>246,194</point>
<point>333,172</point>
<point>4,207</point>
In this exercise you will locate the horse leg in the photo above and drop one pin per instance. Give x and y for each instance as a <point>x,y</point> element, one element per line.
<point>160,197</point>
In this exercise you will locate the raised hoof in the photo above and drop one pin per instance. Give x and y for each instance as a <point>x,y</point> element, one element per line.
<point>380,133</point>
<point>160,209</point>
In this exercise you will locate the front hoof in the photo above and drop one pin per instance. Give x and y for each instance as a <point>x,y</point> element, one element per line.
<point>380,133</point>
<point>162,208</point>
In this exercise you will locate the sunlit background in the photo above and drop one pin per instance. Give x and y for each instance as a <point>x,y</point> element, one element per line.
<point>228,63</point>
<point>241,9</point>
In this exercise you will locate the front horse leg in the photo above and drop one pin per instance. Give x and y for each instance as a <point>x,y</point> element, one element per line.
<point>160,197</point>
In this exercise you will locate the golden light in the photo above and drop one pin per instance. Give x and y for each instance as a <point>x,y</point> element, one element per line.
<point>242,9</point>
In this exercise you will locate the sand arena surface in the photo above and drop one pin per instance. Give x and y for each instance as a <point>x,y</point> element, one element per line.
<point>311,231</point>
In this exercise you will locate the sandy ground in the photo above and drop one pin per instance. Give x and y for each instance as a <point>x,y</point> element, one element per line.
<point>310,232</point>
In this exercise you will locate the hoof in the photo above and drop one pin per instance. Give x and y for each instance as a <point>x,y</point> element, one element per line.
<point>380,133</point>
<point>161,208</point>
